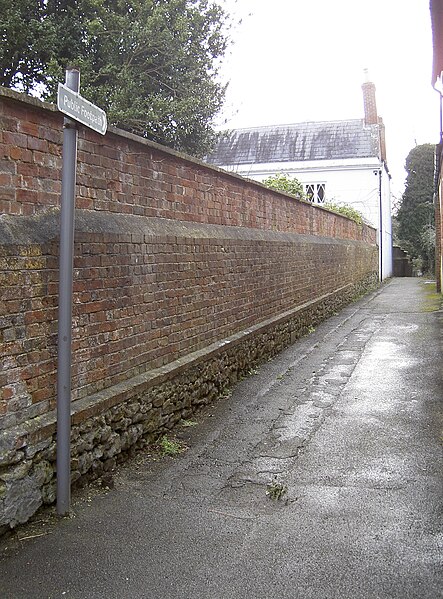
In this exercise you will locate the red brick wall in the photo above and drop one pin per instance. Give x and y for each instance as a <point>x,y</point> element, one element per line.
<point>123,174</point>
<point>171,255</point>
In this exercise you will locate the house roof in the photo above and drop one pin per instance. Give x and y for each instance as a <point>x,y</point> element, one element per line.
<point>322,140</point>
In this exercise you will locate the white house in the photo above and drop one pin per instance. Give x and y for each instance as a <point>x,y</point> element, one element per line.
<point>336,161</point>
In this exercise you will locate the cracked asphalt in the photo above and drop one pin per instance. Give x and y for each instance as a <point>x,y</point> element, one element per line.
<point>347,423</point>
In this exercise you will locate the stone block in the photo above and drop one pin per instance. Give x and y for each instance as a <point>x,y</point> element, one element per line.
<point>22,499</point>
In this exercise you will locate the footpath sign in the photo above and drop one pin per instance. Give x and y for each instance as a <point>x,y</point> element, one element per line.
<point>76,107</point>
<point>77,110</point>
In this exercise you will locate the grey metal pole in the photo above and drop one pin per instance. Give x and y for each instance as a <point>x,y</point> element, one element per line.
<point>65,304</point>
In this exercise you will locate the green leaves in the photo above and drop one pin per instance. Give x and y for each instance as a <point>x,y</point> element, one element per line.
<point>415,216</point>
<point>346,210</point>
<point>285,183</point>
<point>151,64</point>
<point>22,56</point>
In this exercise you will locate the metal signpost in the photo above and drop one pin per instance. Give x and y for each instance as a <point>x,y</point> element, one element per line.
<point>77,108</point>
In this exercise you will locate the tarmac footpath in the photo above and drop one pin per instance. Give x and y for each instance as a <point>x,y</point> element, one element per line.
<point>320,477</point>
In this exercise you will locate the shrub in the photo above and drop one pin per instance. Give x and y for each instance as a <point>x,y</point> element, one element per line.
<point>287,184</point>
<point>346,210</point>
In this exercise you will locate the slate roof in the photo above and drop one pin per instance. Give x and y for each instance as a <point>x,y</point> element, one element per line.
<point>322,140</point>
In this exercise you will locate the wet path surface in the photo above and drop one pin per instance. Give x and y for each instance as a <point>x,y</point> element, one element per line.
<point>347,424</point>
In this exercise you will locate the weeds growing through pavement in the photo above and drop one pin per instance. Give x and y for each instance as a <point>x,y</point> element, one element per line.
<point>171,447</point>
<point>276,490</point>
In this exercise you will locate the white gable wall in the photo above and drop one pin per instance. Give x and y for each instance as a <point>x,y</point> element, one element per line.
<point>354,181</point>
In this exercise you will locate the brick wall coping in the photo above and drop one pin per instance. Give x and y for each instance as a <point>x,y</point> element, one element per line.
<point>44,227</point>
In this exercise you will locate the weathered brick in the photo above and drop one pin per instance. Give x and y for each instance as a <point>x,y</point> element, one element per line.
<point>15,139</point>
<point>34,143</point>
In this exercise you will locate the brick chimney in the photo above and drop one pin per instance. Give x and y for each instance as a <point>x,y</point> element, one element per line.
<point>371,116</point>
<point>370,105</point>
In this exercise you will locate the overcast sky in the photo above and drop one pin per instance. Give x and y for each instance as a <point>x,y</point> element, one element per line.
<point>303,60</point>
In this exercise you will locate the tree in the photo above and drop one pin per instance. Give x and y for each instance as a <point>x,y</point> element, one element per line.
<point>415,215</point>
<point>282,182</point>
<point>22,55</point>
<point>153,65</point>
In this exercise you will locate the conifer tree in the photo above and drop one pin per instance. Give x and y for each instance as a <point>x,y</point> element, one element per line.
<point>153,65</point>
<point>416,213</point>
